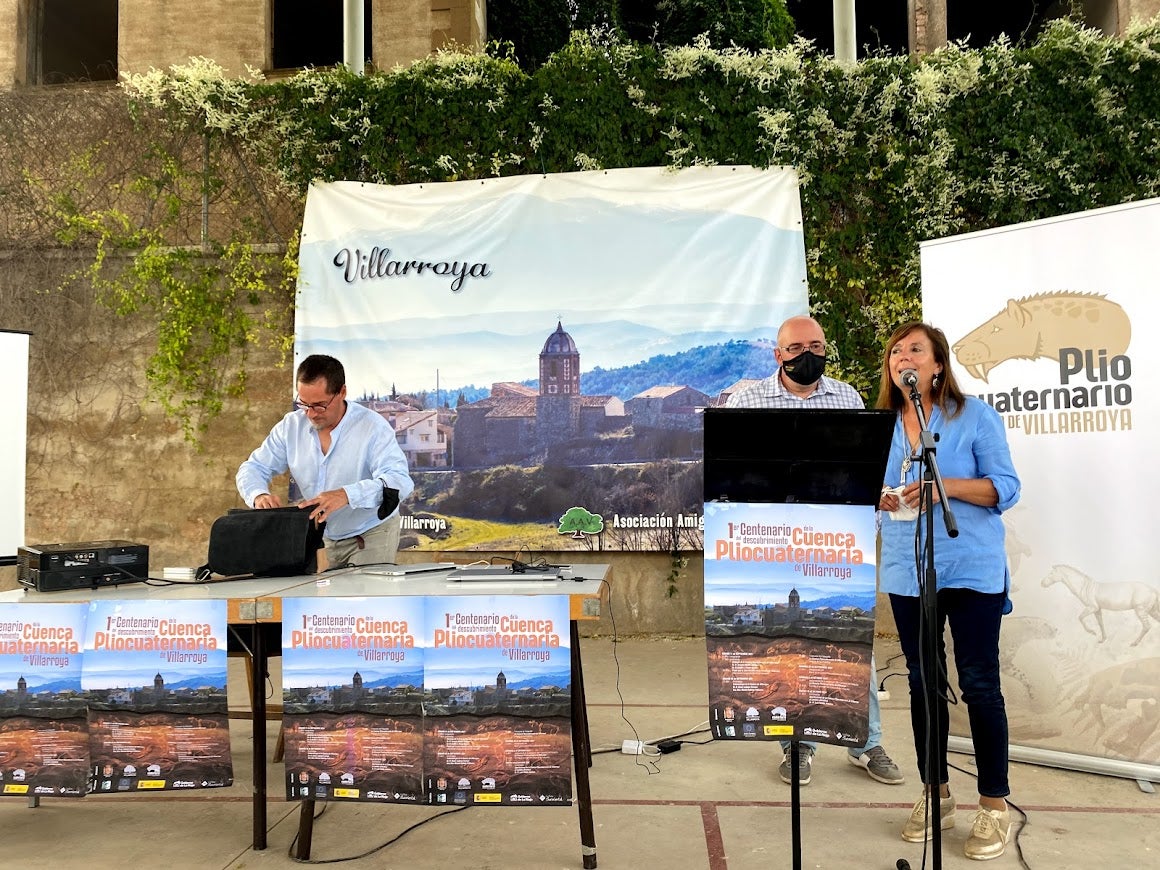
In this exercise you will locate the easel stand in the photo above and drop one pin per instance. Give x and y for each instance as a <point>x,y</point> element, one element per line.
<point>795,803</point>
<point>928,630</point>
<point>581,756</point>
<point>827,456</point>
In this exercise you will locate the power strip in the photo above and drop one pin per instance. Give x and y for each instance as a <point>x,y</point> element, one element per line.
<point>632,747</point>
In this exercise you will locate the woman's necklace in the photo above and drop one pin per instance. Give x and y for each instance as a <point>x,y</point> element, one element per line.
<point>906,459</point>
<point>914,442</point>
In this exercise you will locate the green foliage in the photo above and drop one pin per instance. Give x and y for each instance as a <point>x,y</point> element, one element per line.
<point>890,151</point>
<point>751,24</point>
<point>394,128</point>
<point>211,305</point>
<point>214,302</point>
<point>677,565</point>
<point>536,29</point>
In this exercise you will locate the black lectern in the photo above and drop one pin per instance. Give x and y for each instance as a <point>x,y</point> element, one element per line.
<point>813,457</point>
<point>782,455</point>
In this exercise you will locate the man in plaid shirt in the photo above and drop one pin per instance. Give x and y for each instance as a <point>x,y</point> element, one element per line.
<point>799,383</point>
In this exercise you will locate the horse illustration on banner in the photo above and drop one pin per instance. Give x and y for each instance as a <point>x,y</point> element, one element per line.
<point>1113,595</point>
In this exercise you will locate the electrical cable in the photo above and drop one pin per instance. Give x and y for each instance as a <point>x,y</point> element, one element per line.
<point>136,578</point>
<point>1026,819</point>
<point>697,729</point>
<point>379,848</point>
<point>518,566</point>
<point>889,662</point>
<point>650,768</point>
<point>882,682</point>
<point>702,728</point>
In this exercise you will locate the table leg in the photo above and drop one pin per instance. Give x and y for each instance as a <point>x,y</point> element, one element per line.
<point>578,686</point>
<point>305,830</point>
<point>582,755</point>
<point>258,694</point>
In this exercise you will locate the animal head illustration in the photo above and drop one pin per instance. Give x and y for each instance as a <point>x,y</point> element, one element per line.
<point>1036,327</point>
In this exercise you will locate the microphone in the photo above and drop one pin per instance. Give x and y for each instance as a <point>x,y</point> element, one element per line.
<point>909,378</point>
<point>902,864</point>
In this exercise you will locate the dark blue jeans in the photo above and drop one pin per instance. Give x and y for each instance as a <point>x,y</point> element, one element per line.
<point>974,622</point>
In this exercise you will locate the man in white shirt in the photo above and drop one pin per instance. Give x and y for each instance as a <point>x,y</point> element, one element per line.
<point>346,462</point>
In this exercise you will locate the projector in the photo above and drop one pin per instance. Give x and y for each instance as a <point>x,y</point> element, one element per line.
<point>85,565</point>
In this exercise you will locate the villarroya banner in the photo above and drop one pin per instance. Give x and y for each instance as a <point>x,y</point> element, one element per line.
<point>1048,322</point>
<point>542,345</point>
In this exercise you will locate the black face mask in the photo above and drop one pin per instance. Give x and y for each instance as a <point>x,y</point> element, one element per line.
<point>806,368</point>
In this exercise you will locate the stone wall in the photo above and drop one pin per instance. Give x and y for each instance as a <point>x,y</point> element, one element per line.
<point>161,33</point>
<point>237,34</point>
<point>13,38</point>
<point>403,31</point>
<point>103,462</point>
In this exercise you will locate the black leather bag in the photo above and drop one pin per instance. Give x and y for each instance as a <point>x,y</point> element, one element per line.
<point>272,542</point>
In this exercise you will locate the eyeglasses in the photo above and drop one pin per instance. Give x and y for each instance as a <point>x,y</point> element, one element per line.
<point>814,347</point>
<point>316,407</point>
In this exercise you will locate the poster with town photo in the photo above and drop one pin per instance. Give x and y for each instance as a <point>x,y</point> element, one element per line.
<point>352,695</point>
<point>44,735</point>
<point>789,620</point>
<point>498,726</point>
<point>544,345</point>
<point>154,678</point>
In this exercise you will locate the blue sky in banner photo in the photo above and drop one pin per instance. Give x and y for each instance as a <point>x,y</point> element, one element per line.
<point>118,668</point>
<point>628,283</point>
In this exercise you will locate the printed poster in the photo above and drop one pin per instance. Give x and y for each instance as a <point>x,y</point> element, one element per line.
<point>44,738</point>
<point>542,344</point>
<point>789,620</point>
<point>1048,323</point>
<point>154,678</point>
<point>352,694</point>
<point>499,676</point>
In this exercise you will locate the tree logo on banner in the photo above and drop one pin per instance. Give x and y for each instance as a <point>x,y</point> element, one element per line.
<point>579,522</point>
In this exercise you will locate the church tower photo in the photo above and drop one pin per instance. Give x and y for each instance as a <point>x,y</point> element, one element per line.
<point>559,365</point>
<point>558,405</point>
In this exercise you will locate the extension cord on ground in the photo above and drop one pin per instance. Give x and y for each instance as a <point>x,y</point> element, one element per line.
<point>632,747</point>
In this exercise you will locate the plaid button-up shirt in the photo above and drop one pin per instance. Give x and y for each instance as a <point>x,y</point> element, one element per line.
<point>771,393</point>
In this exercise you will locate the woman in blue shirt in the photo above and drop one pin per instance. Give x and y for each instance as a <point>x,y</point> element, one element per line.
<point>971,569</point>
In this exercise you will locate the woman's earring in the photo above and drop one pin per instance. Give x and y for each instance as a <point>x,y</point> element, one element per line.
<point>934,382</point>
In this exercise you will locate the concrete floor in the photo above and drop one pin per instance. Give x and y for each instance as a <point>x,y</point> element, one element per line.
<point>720,806</point>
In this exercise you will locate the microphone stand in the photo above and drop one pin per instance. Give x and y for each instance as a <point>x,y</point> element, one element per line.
<point>928,623</point>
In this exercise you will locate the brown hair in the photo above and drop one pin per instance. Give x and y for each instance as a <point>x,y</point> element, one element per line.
<point>946,394</point>
<point>318,366</point>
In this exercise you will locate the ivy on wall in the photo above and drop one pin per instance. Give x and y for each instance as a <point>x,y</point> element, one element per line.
<point>890,151</point>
